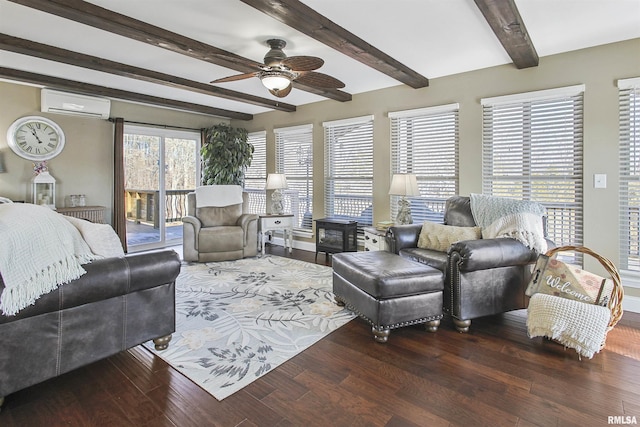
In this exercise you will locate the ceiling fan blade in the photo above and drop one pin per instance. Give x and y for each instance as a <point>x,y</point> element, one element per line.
<point>303,63</point>
<point>312,78</point>
<point>235,78</point>
<point>281,93</point>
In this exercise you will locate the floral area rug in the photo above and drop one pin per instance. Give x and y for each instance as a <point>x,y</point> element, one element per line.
<point>238,320</point>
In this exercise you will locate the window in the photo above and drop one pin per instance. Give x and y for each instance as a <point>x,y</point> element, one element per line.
<point>256,175</point>
<point>629,90</point>
<point>425,142</point>
<point>532,150</point>
<point>348,175</point>
<point>294,158</point>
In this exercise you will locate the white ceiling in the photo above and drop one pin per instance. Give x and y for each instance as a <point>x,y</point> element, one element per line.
<point>433,37</point>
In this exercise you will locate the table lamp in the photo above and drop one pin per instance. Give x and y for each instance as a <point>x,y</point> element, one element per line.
<point>276,182</point>
<point>404,184</point>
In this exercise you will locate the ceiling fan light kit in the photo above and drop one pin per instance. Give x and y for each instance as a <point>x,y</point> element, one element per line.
<point>279,71</point>
<point>275,80</point>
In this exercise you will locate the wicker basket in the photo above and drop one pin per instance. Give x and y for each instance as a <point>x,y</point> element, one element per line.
<point>615,303</point>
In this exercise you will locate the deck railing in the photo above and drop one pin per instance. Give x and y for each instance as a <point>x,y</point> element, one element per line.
<point>291,203</point>
<point>142,205</point>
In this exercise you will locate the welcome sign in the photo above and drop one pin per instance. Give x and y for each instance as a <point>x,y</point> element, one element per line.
<point>553,277</point>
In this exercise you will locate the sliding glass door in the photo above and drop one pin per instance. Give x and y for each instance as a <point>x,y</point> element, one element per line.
<point>161,167</point>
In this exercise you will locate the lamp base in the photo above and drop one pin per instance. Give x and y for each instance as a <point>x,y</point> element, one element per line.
<point>277,206</point>
<point>404,212</point>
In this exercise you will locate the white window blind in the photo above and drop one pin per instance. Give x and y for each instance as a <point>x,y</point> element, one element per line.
<point>255,176</point>
<point>629,98</point>
<point>425,142</point>
<point>294,158</point>
<point>349,169</point>
<point>532,150</point>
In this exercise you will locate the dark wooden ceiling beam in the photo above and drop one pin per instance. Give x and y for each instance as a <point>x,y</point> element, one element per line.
<point>31,48</point>
<point>107,20</point>
<point>505,21</point>
<point>91,89</point>
<point>306,20</point>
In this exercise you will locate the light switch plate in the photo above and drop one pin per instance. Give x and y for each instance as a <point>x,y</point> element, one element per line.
<point>600,180</point>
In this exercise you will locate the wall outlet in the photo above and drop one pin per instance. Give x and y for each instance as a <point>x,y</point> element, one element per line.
<point>599,180</point>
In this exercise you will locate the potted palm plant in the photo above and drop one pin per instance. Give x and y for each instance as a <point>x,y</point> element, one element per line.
<point>225,155</point>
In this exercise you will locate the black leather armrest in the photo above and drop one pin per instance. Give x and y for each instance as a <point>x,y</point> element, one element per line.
<point>482,254</point>
<point>403,236</point>
<point>106,278</point>
<point>151,269</point>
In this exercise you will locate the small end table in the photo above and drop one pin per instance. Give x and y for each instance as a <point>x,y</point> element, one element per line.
<point>269,223</point>
<point>336,235</point>
<point>375,239</point>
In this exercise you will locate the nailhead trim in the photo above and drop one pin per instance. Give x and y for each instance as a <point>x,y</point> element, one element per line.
<point>395,325</point>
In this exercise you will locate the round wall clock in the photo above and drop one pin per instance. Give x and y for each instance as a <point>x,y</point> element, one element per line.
<point>35,138</point>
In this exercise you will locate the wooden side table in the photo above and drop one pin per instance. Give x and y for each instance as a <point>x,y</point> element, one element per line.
<point>269,223</point>
<point>375,240</point>
<point>90,213</point>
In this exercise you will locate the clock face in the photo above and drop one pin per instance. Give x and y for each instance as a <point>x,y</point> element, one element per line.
<point>35,138</point>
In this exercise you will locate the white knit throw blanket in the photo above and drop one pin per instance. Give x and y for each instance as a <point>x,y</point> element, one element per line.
<point>574,324</point>
<point>218,195</point>
<point>39,251</point>
<point>505,217</point>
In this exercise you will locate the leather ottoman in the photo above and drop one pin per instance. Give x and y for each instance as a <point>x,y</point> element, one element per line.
<point>388,291</point>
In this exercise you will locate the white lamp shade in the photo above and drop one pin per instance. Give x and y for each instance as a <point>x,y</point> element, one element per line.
<point>275,82</point>
<point>276,181</point>
<point>404,184</point>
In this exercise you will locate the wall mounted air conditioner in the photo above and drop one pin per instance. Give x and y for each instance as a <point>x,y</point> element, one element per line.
<point>53,101</point>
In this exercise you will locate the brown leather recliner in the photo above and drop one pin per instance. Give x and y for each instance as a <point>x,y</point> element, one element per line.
<point>482,277</point>
<point>218,230</point>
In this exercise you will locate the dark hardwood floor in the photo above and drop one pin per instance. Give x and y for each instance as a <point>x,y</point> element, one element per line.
<point>493,376</point>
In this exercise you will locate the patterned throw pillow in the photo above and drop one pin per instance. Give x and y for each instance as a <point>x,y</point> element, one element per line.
<point>440,237</point>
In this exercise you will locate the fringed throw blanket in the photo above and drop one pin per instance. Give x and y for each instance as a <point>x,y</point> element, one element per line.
<point>573,324</point>
<point>504,217</point>
<point>39,250</point>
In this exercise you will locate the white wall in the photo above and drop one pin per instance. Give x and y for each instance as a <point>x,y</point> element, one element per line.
<point>85,166</point>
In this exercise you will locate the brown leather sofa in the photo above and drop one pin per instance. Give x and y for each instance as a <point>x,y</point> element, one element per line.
<point>482,277</point>
<point>117,304</point>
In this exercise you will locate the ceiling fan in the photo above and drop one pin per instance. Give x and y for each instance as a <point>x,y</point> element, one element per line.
<point>279,71</point>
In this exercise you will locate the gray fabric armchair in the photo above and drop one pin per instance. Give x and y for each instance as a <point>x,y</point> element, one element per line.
<point>482,277</point>
<point>219,233</point>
